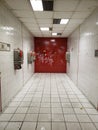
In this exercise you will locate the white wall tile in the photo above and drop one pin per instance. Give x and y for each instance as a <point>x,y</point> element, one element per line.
<point>12,81</point>
<point>85,43</point>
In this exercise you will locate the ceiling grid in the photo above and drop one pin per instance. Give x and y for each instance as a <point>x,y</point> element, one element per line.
<point>74,10</point>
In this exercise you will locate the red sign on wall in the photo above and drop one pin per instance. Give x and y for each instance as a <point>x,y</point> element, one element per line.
<point>50,55</point>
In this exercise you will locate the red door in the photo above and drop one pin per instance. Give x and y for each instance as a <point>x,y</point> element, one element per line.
<point>0,94</point>
<point>50,55</point>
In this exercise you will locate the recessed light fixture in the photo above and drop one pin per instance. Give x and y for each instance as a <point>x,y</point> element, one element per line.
<point>64,21</point>
<point>54,34</point>
<point>47,5</point>
<point>44,29</point>
<point>59,34</point>
<point>56,21</point>
<point>37,5</point>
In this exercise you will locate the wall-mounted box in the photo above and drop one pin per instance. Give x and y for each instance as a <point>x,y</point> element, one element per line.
<point>18,58</point>
<point>96,53</point>
<point>4,46</point>
<point>30,57</point>
<point>68,57</point>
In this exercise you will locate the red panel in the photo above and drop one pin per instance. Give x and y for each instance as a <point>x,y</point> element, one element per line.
<point>50,55</point>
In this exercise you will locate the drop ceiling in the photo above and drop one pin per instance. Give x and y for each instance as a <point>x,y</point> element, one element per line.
<point>74,10</point>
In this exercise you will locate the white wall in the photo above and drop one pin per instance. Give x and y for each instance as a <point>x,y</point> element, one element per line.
<point>83,67</point>
<point>12,81</point>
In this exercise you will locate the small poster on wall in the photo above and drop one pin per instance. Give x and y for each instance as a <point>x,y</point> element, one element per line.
<point>4,46</point>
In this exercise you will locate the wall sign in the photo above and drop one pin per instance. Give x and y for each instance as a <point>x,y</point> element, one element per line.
<point>4,46</point>
<point>96,53</point>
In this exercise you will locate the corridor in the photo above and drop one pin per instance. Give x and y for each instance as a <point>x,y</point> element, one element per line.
<point>49,102</point>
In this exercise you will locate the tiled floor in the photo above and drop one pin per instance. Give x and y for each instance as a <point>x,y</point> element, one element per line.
<point>49,102</point>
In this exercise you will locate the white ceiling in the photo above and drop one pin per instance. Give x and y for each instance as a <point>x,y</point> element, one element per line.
<point>75,10</point>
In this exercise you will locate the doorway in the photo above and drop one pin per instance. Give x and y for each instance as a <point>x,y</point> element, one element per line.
<point>50,55</point>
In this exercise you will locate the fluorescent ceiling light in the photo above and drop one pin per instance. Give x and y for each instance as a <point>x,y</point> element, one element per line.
<point>54,34</point>
<point>64,21</point>
<point>37,5</point>
<point>44,29</point>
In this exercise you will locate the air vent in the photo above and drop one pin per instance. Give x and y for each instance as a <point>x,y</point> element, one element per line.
<point>59,34</point>
<point>50,29</point>
<point>47,5</point>
<point>56,21</point>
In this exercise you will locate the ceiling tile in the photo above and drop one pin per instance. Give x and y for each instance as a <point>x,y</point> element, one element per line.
<point>72,27</point>
<point>65,35</point>
<point>62,14</point>
<point>44,21</point>
<point>29,20</point>
<point>75,10</point>
<point>59,25</point>
<point>75,21</point>
<point>34,29</point>
<point>87,5</point>
<point>30,25</point>
<point>46,33</point>
<point>45,25</point>
<point>58,31</point>
<point>65,5</point>
<point>80,15</point>
<point>23,13</point>
<point>44,14</point>
<point>19,4</point>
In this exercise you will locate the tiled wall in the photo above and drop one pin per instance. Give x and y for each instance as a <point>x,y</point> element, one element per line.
<point>83,67</point>
<point>19,37</point>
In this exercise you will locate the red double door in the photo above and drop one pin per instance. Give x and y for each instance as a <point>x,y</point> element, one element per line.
<point>50,55</point>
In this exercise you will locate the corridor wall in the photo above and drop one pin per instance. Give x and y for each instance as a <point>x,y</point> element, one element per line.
<point>14,33</point>
<point>83,67</point>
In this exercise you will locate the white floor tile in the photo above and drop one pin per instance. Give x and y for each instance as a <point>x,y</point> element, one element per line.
<point>96,124</point>
<point>3,125</point>
<point>58,126</point>
<point>10,110</point>
<point>13,126</point>
<point>45,110</point>
<point>94,118</point>
<point>22,110</point>
<point>70,118</point>
<point>18,117</point>
<point>5,117</point>
<point>44,117</point>
<point>68,110</point>
<point>44,126</point>
<point>28,126</point>
<point>73,126</point>
<point>24,104</point>
<point>34,110</point>
<point>45,104</point>
<point>87,126</point>
<point>91,111</point>
<point>31,117</point>
<point>80,111</point>
<point>57,117</point>
<point>77,105</point>
<point>83,118</point>
<point>56,110</point>
<point>68,105</point>
<point>49,102</point>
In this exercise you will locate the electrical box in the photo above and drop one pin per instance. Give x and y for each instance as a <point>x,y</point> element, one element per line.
<point>18,58</point>
<point>68,57</point>
<point>96,53</point>
<point>30,57</point>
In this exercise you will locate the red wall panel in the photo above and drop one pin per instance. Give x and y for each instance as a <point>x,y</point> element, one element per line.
<point>50,55</point>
